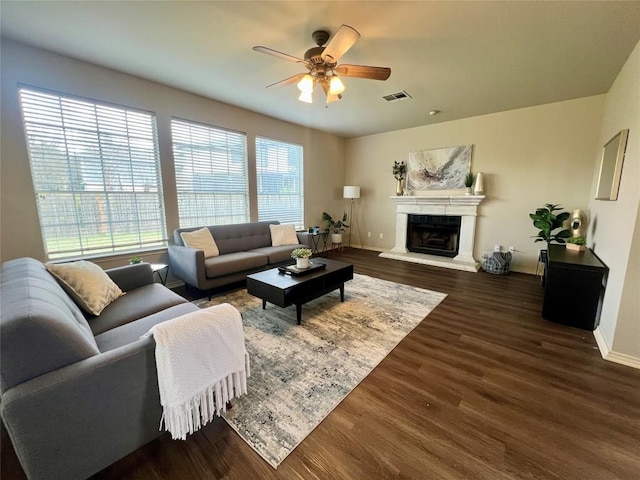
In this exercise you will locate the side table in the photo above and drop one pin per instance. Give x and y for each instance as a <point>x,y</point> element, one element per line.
<point>317,248</point>
<point>158,268</point>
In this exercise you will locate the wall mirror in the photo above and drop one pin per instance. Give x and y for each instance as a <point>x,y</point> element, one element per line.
<point>611,167</point>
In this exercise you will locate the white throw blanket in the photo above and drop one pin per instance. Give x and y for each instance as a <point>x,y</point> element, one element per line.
<point>202,364</point>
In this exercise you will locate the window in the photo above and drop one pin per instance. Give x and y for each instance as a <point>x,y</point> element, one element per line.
<point>96,174</point>
<point>211,174</point>
<point>280,181</point>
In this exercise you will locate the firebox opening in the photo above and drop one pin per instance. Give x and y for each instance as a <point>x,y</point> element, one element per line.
<point>433,234</point>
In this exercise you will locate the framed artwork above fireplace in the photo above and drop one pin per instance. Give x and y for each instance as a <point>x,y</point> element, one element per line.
<point>438,169</point>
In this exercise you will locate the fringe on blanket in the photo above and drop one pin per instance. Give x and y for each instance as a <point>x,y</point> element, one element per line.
<point>190,416</point>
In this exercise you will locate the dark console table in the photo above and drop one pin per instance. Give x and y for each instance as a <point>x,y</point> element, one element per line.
<point>574,287</point>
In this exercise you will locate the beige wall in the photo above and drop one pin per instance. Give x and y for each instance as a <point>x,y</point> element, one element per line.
<point>529,157</point>
<point>614,232</point>
<point>19,227</point>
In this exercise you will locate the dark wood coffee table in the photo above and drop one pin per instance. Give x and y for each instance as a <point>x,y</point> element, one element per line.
<point>284,290</point>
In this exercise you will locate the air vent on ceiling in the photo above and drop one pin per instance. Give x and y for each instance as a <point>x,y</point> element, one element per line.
<point>396,97</point>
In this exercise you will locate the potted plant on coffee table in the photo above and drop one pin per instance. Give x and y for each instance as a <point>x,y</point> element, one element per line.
<point>336,227</point>
<point>301,255</point>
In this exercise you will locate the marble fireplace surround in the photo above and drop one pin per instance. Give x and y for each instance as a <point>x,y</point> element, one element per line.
<point>465,206</point>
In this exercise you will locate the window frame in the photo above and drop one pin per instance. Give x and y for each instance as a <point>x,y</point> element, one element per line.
<point>299,180</point>
<point>222,192</point>
<point>71,138</point>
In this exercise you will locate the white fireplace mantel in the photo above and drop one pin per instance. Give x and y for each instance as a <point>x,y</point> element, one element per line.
<point>465,206</point>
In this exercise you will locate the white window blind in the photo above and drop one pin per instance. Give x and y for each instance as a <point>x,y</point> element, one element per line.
<point>96,174</point>
<point>211,174</point>
<point>280,181</point>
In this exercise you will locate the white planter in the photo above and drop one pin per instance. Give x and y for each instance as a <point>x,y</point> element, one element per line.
<point>302,263</point>
<point>336,238</point>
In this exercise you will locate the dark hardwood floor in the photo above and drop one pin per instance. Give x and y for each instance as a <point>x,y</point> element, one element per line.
<point>482,389</point>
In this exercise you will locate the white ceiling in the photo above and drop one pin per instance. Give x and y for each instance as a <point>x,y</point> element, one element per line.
<point>463,58</point>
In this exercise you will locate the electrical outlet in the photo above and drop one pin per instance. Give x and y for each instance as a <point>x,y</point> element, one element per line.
<point>512,249</point>
<point>381,236</point>
<point>369,234</point>
<point>497,247</point>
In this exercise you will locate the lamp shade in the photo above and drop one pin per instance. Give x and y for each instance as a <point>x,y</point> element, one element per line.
<point>351,191</point>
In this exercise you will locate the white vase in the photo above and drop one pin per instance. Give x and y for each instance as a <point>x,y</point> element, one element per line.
<point>302,263</point>
<point>478,188</point>
<point>336,238</point>
<point>467,191</point>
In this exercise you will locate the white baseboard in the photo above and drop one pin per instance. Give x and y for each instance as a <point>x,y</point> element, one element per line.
<point>611,356</point>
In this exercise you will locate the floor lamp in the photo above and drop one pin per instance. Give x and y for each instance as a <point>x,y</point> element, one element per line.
<point>351,192</point>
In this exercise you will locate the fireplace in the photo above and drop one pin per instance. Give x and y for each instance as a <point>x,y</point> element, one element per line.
<point>454,248</point>
<point>433,234</point>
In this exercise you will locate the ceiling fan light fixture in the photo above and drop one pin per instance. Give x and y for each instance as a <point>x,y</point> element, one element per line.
<point>306,97</point>
<point>306,84</point>
<point>336,87</point>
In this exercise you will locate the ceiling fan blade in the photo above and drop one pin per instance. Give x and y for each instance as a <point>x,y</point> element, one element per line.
<point>363,71</point>
<point>277,54</point>
<point>342,41</point>
<point>288,81</point>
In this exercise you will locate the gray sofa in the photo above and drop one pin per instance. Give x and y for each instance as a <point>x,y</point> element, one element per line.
<point>244,248</point>
<point>77,393</point>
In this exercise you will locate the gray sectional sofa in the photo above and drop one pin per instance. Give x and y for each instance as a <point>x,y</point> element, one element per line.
<point>79,393</point>
<point>244,248</point>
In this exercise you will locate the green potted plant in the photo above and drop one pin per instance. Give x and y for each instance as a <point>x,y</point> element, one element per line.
<point>578,243</point>
<point>468,183</point>
<point>134,260</point>
<point>336,227</point>
<point>301,255</point>
<point>547,222</point>
<point>399,170</point>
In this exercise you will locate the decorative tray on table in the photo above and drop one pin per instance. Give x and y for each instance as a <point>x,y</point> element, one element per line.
<point>298,272</point>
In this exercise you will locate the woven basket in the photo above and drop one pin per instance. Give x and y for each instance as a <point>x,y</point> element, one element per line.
<point>496,263</point>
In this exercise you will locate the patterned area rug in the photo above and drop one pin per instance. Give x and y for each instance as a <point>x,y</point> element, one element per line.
<point>299,374</point>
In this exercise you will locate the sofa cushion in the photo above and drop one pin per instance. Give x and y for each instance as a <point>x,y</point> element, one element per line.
<point>283,235</point>
<point>131,332</point>
<point>87,284</point>
<point>201,240</point>
<point>233,263</point>
<point>278,254</point>
<point>136,304</point>
<point>41,328</point>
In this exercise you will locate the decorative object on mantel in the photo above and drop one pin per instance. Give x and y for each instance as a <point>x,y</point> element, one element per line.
<point>301,256</point>
<point>438,169</point>
<point>578,244</point>
<point>399,170</point>
<point>468,183</point>
<point>547,221</point>
<point>478,188</point>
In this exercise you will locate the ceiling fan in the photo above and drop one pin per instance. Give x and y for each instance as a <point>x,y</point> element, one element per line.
<point>322,65</point>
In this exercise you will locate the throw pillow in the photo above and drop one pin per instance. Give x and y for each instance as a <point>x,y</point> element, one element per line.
<point>201,240</point>
<point>283,235</point>
<point>87,284</point>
